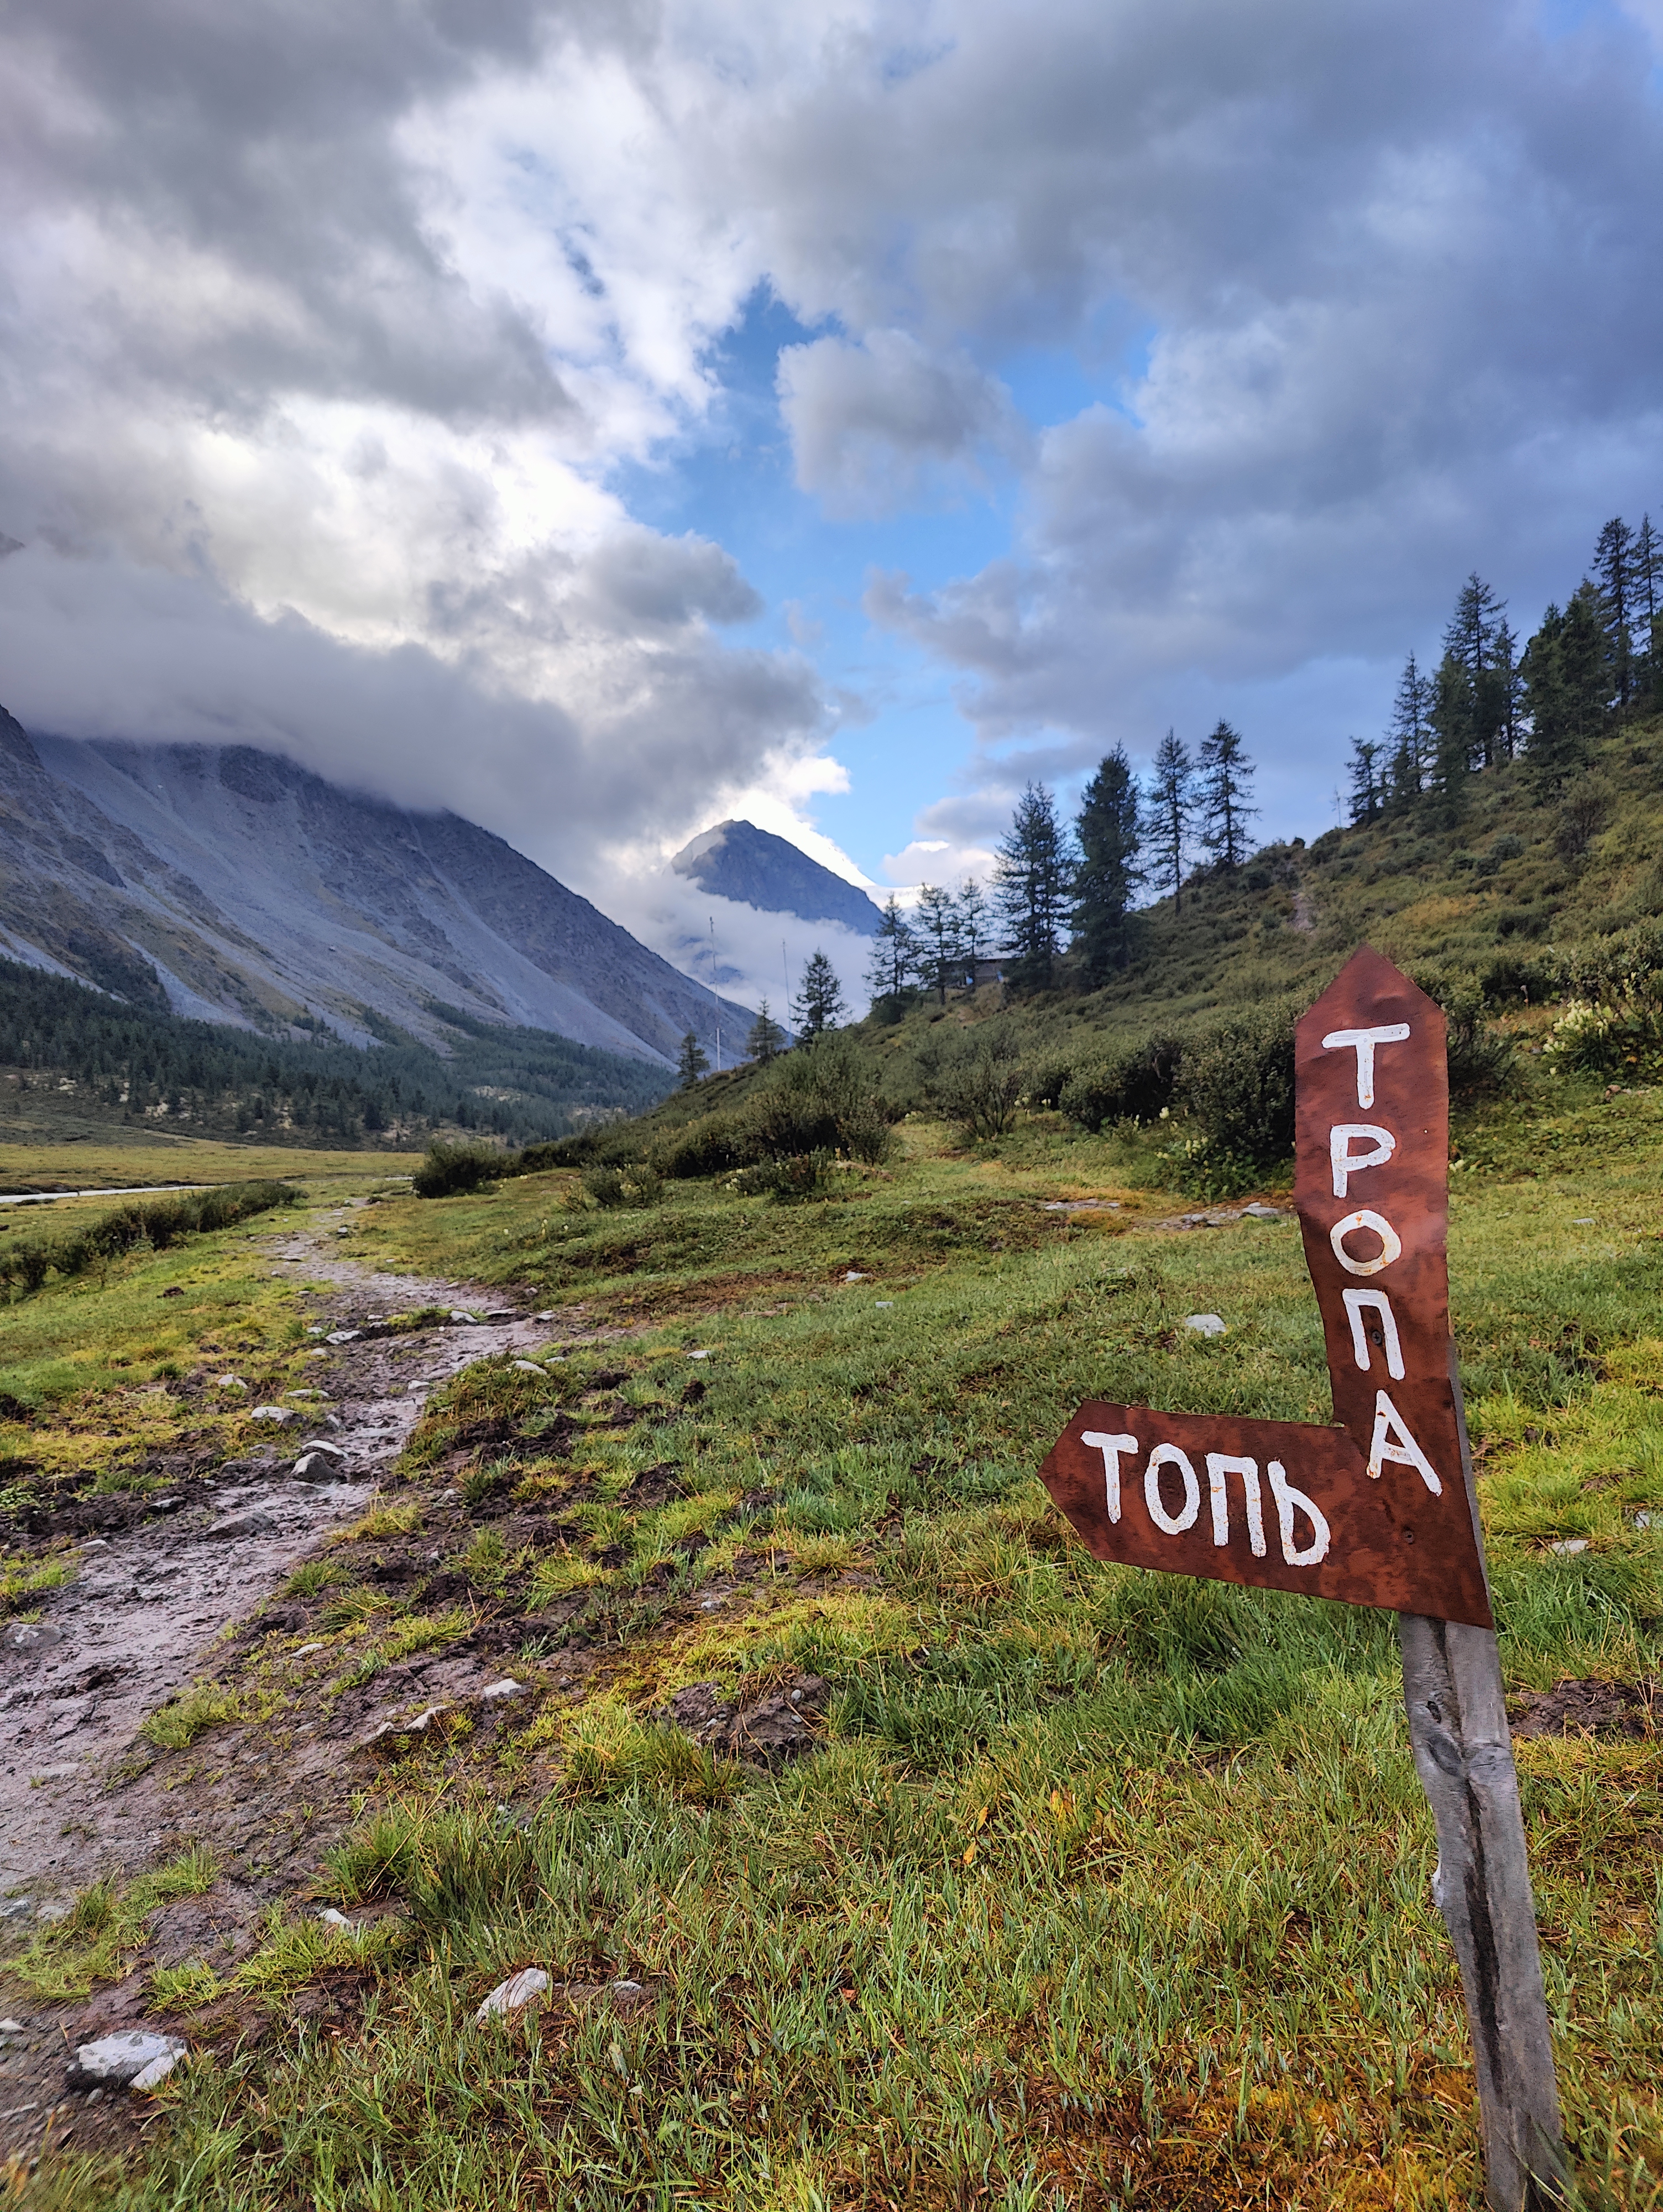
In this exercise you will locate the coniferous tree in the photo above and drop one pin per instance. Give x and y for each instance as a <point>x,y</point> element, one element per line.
<point>1169,813</point>
<point>1648,604</point>
<point>895,956</point>
<point>1510,690</point>
<point>1613,567</point>
<point>1410,734</point>
<point>765,1040</point>
<point>694,1062</point>
<point>1032,880</point>
<point>970,909</point>
<point>1567,673</point>
<point>1368,784</point>
<point>819,1006</point>
<point>1108,833</point>
<point>1452,719</point>
<point>940,953</point>
<point>1224,796</point>
<point>1469,641</point>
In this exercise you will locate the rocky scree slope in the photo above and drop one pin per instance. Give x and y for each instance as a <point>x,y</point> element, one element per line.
<point>261,895</point>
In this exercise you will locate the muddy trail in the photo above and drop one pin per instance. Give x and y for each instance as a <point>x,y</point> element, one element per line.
<point>169,1590</point>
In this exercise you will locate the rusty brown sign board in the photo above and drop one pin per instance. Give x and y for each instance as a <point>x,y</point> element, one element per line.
<point>1278,1504</point>
<point>1380,1502</point>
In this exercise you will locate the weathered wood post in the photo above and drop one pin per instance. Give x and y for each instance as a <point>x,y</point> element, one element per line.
<point>1374,1102</point>
<point>1379,1510</point>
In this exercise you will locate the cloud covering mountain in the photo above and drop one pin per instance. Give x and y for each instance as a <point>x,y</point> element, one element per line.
<point>600,418</point>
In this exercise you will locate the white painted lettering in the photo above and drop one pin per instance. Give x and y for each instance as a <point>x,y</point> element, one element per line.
<point>1290,1501</point>
<point>1113,1449</point>
<point>1345,1163</point>
<point>1362,1043</point>
<point>1170,1455</point>
<point>1386,1336</point>
<point>1392,1441</point>
<point>1220,1464</point>
<point>1365,1218</point>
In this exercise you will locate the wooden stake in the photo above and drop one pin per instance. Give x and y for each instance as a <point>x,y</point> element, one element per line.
<point>1452,1682</point>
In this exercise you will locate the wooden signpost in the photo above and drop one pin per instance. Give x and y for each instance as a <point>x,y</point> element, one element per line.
<point>1378,1510</point>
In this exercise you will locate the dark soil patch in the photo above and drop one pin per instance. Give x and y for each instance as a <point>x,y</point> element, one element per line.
<point>1590,1709</point>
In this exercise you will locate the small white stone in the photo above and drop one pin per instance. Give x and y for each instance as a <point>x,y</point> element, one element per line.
<point>544,1316</point>
<point>153,2075</point>
<point>322,1444</point>
<point>343,1336</point>
<point>281,1414</point>
<point>1569,1544</point>
<point>461,1313</point>
<point>331,1919</point>
<point>514,1995</point>
<point>11,2027</point>
<point>698,1355</point>
<point>1582,1221</point>
<point>855,1276</point>
<point>526,1367</point>
<point>230,1382</point>
<point>301,1650</point>
<point>1205,1324</point>
<point>506,1688</point>
<point>126,2056</point>
<point>882,1304</point>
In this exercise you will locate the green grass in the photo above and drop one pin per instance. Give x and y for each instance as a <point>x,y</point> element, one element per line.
<point>1105,1889</point>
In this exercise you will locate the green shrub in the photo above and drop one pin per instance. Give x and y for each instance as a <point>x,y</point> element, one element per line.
<point>713,1145</point>
<point>450,1169</point>
<point>640,1185</point>
<point>808,1175</point>
<point>1235,1080</point>
<point>977,1080</point>
<point>1479,1055</point>
<point>1132,1083</point>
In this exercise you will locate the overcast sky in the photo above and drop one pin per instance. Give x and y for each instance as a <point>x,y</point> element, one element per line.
<point>602,417</point>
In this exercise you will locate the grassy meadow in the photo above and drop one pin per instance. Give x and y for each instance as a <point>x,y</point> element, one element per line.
<point>1099,1890</point>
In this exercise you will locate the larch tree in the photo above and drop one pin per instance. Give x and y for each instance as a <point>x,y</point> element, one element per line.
<point>971,908</point>
<point>1614,571</point>
<point>1368,784</point>
<point>1169,813</point>
<point>765,1040</point>
<point>693,1062</point>
<point>940,952</point>
<point>1410,732</point>
<point>1108,833</point>
<point>895,956</point>
<point>1225,796</point>
<point>1032,882</point>
<point>819,1005</point>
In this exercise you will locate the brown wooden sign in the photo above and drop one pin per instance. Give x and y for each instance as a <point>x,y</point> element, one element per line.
<point>1279,1504</point>
<point>1379,1510</point>
<point>1371,1187</point>
<point>1195,1494</point>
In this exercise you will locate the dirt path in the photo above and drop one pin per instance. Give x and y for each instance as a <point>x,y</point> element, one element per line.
<point>151,1600</point>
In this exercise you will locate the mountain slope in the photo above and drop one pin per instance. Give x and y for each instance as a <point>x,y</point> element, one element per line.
<point>736,861</point>
<point>262,894</point>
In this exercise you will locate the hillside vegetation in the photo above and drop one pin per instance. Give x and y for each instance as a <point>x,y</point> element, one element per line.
<point>1534,923</point>
<point>67,1051</point>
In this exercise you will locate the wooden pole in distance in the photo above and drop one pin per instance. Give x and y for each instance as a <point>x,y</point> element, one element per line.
<point>1452,1684</point>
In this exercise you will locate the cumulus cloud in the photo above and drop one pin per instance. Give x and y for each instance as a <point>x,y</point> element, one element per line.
<point>877,425</point>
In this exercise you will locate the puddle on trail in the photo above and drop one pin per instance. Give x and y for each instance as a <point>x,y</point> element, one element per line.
<point>149,1601</point>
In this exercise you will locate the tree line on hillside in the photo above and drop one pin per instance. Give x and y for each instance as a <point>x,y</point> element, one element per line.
<point>1594,661</point>
<point>1059,886</point>
<point>133,1064</point>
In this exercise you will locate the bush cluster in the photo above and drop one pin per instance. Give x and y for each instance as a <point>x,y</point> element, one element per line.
<point>819,1098</point>
<point>450,1169</point>
<point>155,1222</point>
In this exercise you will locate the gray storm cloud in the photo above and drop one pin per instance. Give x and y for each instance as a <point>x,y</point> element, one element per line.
<point>329,336</point>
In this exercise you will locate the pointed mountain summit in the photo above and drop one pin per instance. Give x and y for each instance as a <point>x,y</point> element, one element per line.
<point>736,861</point>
